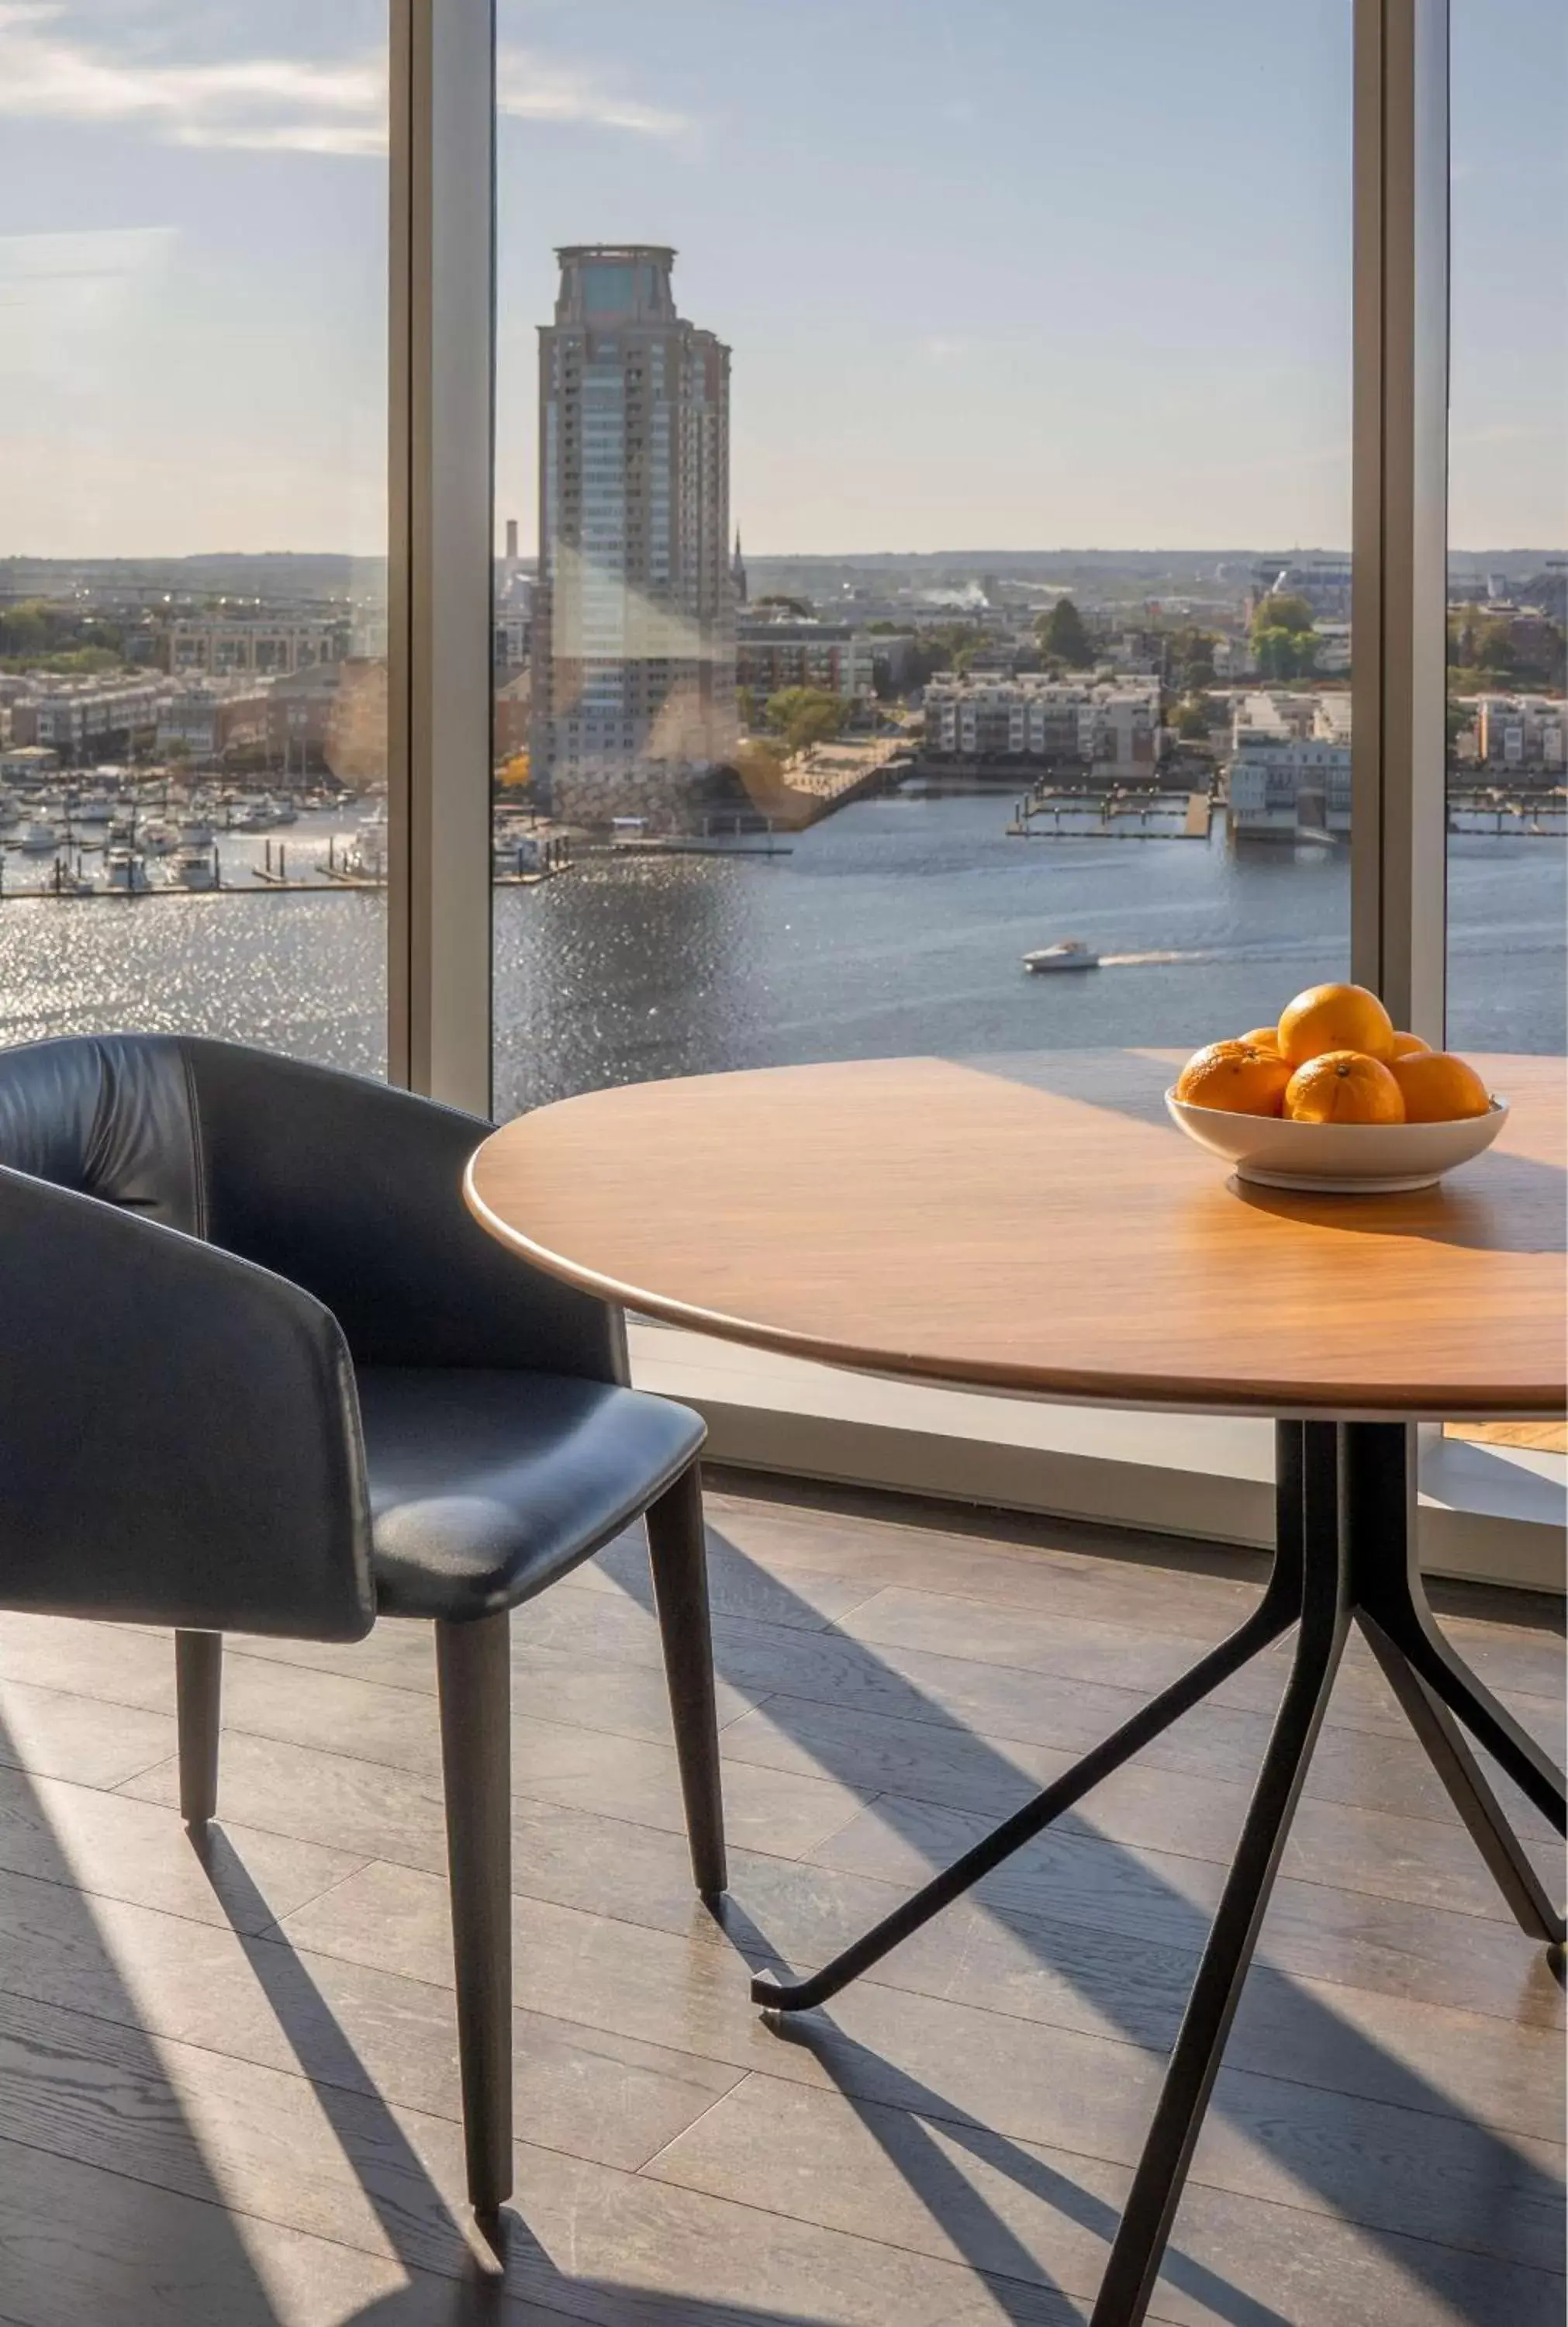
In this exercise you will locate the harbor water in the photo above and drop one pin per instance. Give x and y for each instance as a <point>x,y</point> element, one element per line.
<point>895,925</point>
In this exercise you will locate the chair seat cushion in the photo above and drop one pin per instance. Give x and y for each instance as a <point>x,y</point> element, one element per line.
<point>485,1487</point>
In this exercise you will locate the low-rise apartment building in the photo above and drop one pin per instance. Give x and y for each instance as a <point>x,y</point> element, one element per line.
<point>1522,733</point>
<point>829,656</point>
<point>1112,729</point>
<point>255,646</point>
<point>200,724</point>
<point>1283,785</point>
<point>88,720</point>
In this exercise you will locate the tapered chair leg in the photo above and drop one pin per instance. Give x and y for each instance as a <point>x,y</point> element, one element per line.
<point>678,1552</point>
<point>474,1673</point>
<point>199,1695</point>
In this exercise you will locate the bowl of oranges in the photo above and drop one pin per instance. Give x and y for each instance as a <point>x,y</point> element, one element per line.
<point>1336,1099</point>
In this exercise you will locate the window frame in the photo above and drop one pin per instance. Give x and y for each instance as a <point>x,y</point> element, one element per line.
<point>440,570</point>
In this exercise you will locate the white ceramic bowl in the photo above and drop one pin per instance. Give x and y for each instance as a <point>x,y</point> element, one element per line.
<point>1338,1159</point>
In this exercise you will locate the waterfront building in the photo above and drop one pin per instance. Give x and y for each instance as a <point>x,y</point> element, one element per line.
<point>301,714</point>
<point>254,646</point>
<point>1112,729</point>
<point>633,653</point>
<point>90,719</point>
<point>1282,785</point>
<point>1523,734</point>
<point>202,722</point>
<point>829,656</point>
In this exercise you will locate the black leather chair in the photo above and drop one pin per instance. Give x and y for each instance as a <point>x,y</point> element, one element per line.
<point>260,1371</point>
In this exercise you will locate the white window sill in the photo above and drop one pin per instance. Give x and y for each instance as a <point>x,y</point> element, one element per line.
<point>1495,1513</point>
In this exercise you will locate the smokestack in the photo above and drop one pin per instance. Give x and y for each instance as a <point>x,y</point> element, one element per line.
<point>512,540</point>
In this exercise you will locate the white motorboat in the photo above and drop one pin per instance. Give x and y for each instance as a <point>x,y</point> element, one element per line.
<point>196,867</point>
<point>365,858</point>
<point>126,871</point>
<point>1066,953</point>
<point>34,838</point>
<point>90,807</point>
<point>160,837</point>
<point>194,832</point>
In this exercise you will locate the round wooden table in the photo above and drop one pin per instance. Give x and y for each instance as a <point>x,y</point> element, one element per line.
<point>1038,1226</point>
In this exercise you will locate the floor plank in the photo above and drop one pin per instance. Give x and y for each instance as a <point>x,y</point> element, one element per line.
<point>228,2077</point>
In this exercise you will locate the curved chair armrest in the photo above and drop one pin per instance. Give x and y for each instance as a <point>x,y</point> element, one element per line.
<point>178,1432</point>
<point>354,1189</point>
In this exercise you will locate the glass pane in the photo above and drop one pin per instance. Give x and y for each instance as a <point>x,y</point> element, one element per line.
<point>194,522</point>
<point>1508,831</point>
<point>923,538</point>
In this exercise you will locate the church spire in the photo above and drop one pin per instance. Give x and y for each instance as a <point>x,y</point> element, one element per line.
<point>738,571</point>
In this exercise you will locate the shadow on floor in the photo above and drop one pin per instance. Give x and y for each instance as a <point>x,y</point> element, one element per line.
<point>1502,2174</point>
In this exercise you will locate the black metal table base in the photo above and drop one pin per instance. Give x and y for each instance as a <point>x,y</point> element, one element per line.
<point>1345,1554</point>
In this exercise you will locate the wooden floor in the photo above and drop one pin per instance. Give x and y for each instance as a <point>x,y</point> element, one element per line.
<point>228,2091</point>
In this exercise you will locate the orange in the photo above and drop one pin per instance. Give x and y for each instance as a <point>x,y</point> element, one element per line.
<point>1344,1087</point>
<point>1237,1077</point>
<point>1263,1038</point>
<point>1408,1046</point>
<point>1335,1018</point>
<point>1438,1088</point>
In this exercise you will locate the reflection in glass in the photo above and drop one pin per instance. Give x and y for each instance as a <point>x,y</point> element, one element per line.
<point>1508,721</point>
<point>192,522</point>
<point>819,796</point>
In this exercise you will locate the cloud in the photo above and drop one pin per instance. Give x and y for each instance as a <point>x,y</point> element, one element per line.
<point>263,102</point>
<point>267,104</point>
<point>531,87</point>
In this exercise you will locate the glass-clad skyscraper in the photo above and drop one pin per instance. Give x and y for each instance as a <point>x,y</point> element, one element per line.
<point>633,638</point>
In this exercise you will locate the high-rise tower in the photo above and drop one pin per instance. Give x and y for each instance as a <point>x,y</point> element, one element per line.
<point>633,637</point>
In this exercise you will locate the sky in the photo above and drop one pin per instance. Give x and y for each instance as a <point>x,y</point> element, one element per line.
<point>1025,274</point>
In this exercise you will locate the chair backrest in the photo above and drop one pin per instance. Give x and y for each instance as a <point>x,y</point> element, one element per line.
<point>178,1431</point>
<point>108,1116</point>
<point>348,1188</point>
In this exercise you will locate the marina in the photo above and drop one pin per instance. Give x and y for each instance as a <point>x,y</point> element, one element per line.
<point>895,927</point>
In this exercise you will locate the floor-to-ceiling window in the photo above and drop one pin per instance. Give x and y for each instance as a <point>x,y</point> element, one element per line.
<point>923,530</point>
<point>193,406</point>
<point>1507,723</point>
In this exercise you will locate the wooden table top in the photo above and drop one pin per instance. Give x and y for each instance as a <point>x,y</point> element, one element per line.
<point>1037,1225</point>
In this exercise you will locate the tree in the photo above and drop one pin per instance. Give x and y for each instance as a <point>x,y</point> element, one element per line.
<point>1283,653</point>
<point>1191,661</point>
<point>1282,612</point>
<point>1193,722</point>
<point>805,715</point>
<point>1061,633</point>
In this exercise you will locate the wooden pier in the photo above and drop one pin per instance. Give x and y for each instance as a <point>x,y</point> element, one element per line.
<point>1038,816</point>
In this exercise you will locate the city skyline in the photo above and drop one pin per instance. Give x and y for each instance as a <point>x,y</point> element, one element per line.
<point>1134,335</point>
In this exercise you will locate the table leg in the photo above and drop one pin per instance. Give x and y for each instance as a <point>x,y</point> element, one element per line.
<point>1345,1549</point>
<point>1145,2226</point>
<point>1432,1684</point>
<point>1275,1613</point>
